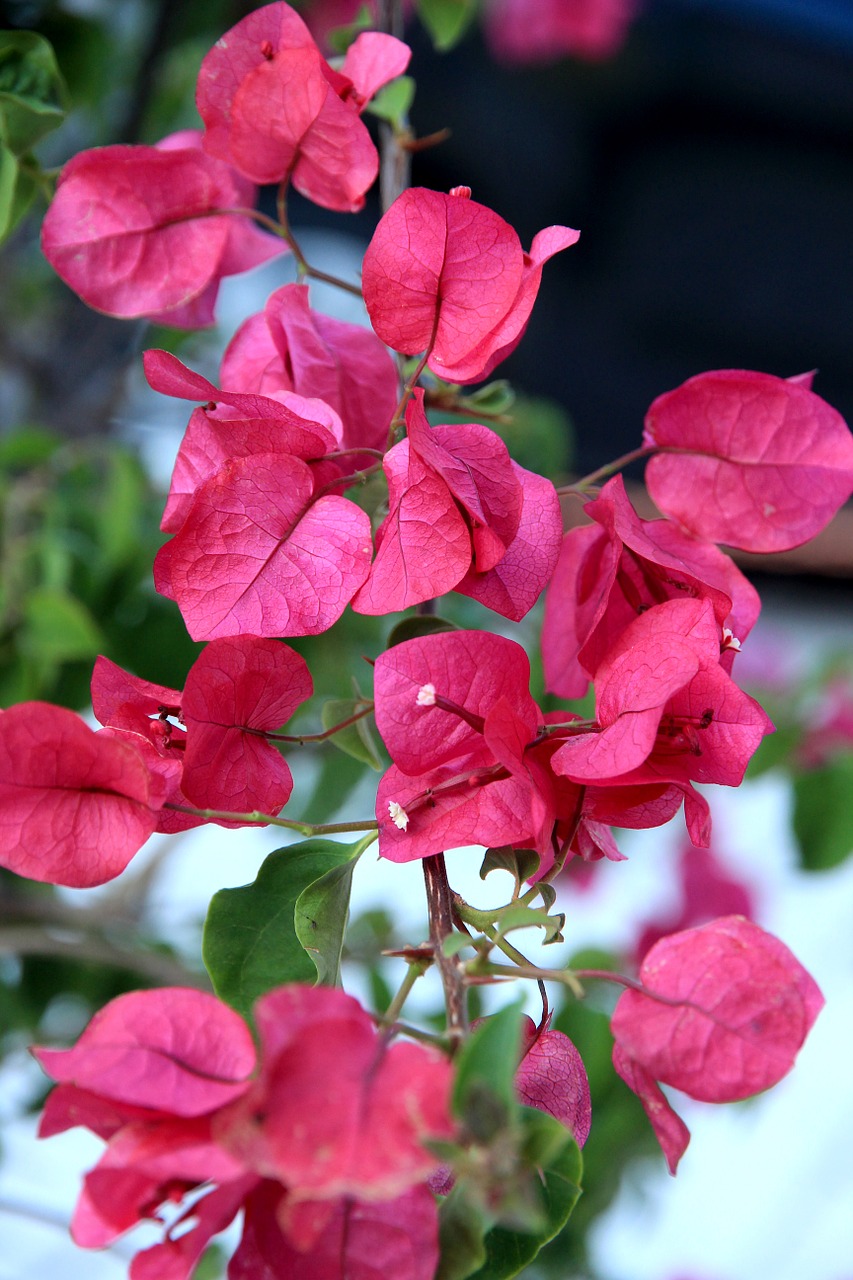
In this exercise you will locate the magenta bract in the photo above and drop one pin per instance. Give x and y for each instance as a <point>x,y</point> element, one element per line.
<point>136,231</point>
<point>75,806</point>
<point>275,110</point>
<point>446,275</point>
<point>290,347</point>
<point>609,573</point>
<point>772,461</point>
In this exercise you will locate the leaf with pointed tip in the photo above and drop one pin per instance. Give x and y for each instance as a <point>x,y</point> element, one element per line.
<point>251,944</point>
<point>356,740</point>
<point>321,915</point>
<point>772,460</point>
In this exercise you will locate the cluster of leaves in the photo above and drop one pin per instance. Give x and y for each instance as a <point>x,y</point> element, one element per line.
<point>350,1140</point>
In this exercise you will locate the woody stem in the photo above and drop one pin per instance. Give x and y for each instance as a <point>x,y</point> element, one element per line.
<point>440,904</point>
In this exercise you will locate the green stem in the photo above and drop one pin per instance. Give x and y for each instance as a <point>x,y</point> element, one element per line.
<point>267,820</point>
<point>416,969</point>
<point>567,977</point>
<point>591,480</point>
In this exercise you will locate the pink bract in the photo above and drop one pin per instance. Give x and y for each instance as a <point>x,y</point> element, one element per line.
<point>290,347</point>
<point>362,1136</point>
<point>533,31</point>
<point>257,554</point>
<point>448,276</point>
<point>610,572</point>
<point>772,461</point>
<point>275,110</point>
<point>75,806</point>
<point>551,1076</point>
<point>137,231</point>
<point>734,1007</point>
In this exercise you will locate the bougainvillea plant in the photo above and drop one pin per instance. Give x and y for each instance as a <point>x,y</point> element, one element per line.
<point>354,1143</point>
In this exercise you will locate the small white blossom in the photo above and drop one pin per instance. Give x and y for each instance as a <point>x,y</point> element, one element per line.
<point>398,815</point>
<point>729,641</point>
<point>426,695</point>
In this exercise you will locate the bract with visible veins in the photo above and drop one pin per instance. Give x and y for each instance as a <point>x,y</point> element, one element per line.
<point>75,806</point>
<point>551,1076</point>
<point>423,546</point>
<point>275,110</point>
<point>364,1136</point>
<point>145,231</point>
<point>473,670</point>
<point>735,1007</point>
<point>666,709</point>
<point>290,347</point>
<point>257,554</point>
<point>236,688</point>
<point>773,462</point>
<point>448,276</point>
<point>606,576</point>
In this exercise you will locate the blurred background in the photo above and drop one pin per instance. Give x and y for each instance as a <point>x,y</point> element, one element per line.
<point>705,150</point>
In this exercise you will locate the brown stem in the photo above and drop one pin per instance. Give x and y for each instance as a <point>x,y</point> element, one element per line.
<point>440,902</point>
<point>395,173</point>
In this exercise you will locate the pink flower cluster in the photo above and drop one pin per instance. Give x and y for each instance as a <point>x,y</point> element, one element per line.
<point>318,1137</point>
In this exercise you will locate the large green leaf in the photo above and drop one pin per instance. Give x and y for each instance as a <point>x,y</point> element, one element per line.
<point>251,943</point>
<point>509,1252</point>
<point>823,814</point>
<point>32,92</point>
<point>484,1090</point>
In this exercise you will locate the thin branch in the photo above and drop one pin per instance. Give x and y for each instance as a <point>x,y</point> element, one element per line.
<point>22,940</point>
<point>441,926</point>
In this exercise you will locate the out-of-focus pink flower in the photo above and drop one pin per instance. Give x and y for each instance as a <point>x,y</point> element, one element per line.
<point>545,30</point>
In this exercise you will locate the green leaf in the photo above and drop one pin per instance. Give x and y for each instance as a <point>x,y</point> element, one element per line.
<point>419,625</point>
<point>17,192</point>
<point>394,101</point>
<point>508,1252</point>
<point>823,814</point>
<point>340,38</point>
<point>356,740</point>
<point>486,1065</point>
<point>32,92</point>
<point>518,915</point>
<point>321,919</point>
<point>119,516</point>
<point>494,398</point>
<point>57,628</point>
<point>250,942</point>
<point>446,20</point>
<point>520,863</point>
<point>461,1228</point>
